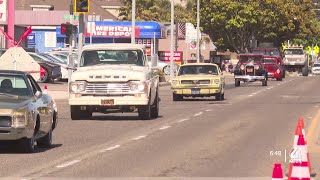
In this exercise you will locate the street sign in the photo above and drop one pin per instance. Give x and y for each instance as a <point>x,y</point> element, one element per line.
<point>67,17</point>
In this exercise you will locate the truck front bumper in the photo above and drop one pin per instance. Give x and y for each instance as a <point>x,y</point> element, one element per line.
<point>196,91</point>
<point>8,134</point>
<point>139,99</point>
<point>249,78</point>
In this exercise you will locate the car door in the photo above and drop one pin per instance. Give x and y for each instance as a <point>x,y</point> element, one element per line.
<point>43,108</point>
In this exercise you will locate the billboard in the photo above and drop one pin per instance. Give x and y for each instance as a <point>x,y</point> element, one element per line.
<point>177,56</point>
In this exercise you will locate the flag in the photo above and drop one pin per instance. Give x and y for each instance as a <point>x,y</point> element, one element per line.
<point>25,34</point>
<point>181,30</point>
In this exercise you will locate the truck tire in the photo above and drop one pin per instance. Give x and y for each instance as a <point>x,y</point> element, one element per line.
<point>177,97</point>
<point>145,112</point>
<point>155,107</point>
<point>46,141</point>
<point>236,83</point>
<point>78,114</point>
<point>27,145</point>
<point>305,71</point>
<point>265,82</point>
<point>220,97</point>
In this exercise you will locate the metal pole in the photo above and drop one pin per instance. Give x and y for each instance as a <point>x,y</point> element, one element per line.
<point>91,26</point>
<point>70,60</point>
<point>154,43</point>
<point>198,29</point>
<point>172,42</point>
<point>133,34</point>
<point>10,16</point>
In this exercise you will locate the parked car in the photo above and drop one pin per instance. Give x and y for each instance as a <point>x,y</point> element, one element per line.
<point>250,67</point>
<point>315,69</point>
<point>60,62</point>
<point>275,71</point>
<point>52,70</point>
<point>64,56</point>
<point>26,114</point>
<point>198,80</point>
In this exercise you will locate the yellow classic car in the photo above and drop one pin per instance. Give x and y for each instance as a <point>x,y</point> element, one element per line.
<point>198,80</point>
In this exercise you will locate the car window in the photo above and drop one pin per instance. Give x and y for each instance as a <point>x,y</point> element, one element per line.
<point>34,84</point>
<point>316,65</point>
<point>14,85</point>
<point>269,60</point>
<point>250,58</point>
<point>196,69</point>
<point>36,58</point>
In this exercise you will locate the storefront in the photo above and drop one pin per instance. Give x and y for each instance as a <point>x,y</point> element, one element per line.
<point>146,33</point>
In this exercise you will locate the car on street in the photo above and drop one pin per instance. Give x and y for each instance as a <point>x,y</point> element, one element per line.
<point>198,80</point>
<point>27,115</point>
<point>250,68</point>
<point>315,69</point>
<point>275,71</point>
<point>60,62</point>
<point>52,70</point>
<point>123,82</point>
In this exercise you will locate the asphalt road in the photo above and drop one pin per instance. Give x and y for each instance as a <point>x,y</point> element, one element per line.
<point>192,138</point>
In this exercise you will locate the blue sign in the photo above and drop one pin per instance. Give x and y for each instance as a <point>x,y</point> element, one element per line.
<point>32,38</point>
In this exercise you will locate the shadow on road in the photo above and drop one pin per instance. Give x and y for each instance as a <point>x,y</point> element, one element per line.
<point>116,118</point>
<point>11,147</point>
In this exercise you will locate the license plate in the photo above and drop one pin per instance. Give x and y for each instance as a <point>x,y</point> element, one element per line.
<point>195,91</point>
<point>249,70</point>
<point>107,102</point>
<point>292,63</point>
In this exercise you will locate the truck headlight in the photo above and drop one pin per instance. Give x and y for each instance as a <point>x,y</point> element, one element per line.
<point>19,120</point>
<point>216,81</point>
<point>242,67</point>
<point>256,67</point>
<point>278,71</point>
<point>138,86</point>
<point>78,86</point>
<point>175,82</point>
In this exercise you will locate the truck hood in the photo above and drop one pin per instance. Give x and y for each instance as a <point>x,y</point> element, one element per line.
<point>102,73</point>
<point>10,104</point>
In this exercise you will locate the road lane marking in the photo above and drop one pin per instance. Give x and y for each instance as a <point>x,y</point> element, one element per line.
<point>208,110</point>
<point>139,137</point>
<point>250,95</point>
<point>279,84</point>
<point>316,106</point>
<point>312,127</point>
<point>68,164</point>
<point>310,117</point>
<point>110,148</point>
<point>164,127</point>
<point>182,120</point>
<point>198,114</point>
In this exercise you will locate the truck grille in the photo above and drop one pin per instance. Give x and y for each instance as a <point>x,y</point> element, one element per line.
<point>250,70</point>
<point>108,88</point>
<point>195,82</point>
<point>5,121</point>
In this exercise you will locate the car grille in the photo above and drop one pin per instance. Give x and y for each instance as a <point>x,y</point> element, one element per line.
<point>250,70</point>
<point>195,82</point>
<point>108,88</point>
<point>5,121</point>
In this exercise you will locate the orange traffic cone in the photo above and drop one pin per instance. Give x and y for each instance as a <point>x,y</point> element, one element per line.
<point>301,124</point>
<point>277,172</point>
<point>45,89</point>
<point>296,136</point>
<point>299,165</point>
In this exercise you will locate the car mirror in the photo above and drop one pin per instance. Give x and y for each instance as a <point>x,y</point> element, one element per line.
<point>38,94</point>
<point>154,60</point>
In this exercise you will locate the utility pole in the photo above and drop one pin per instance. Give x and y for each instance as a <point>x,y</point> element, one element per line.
<point>81,35</point>
<point>93,19</point>
<point>71,43</point>
<point>172,42</point>
<point>133,21</point>
<point>198,29</point>
<point>176,43</point>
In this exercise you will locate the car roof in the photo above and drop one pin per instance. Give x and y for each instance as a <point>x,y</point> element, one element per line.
<point>13,72</point>
<point>199,64</point>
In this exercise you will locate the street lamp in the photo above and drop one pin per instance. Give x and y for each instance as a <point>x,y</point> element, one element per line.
<point>133,31</point>
<point>91,26</point>
<point>198,29</point>
<point>172,42</point>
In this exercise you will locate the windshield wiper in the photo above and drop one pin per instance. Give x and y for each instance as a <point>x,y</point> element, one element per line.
<point>9,95</point>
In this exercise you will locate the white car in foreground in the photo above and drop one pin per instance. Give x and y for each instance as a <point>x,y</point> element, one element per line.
<point>315,69</point>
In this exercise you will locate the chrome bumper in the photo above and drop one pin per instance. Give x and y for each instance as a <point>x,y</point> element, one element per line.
<point>14,133</point>
<point>247,77</point>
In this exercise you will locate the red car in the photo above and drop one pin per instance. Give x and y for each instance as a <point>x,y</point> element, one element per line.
<point>275,71</point>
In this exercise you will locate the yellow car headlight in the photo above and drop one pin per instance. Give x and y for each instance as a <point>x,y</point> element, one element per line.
<point>175,82</point>
<point>216,81</point>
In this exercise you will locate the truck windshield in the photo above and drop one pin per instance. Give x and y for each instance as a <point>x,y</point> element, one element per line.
<point>293,52</point>
<point>244,59</point>
<point>100,57</point>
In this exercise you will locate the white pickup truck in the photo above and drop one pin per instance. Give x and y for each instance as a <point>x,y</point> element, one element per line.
<point>114,78</point>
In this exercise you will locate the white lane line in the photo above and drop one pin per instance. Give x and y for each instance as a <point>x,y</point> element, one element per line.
<point>270,87</point>
<point>279,84</point>
<point>139,137</point>
<point>110,148</point>
<point>198,114</point>
<point>310,117</point>
<point>164,127</point>
<point>250,95</point>
<point>208,110</point>
<point>182,120</point>
<point>316,106</point>
<point>68,164</point>
<point>255,93</point>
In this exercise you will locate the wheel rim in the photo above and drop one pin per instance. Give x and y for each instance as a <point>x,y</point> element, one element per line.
<point>44,77</point>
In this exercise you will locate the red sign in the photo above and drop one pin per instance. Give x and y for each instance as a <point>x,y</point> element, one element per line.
<point>146,42</point>
<point>111,31</point>
<point>165,56</point>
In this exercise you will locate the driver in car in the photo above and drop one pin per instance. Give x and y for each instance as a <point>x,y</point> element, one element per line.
<point>132,58</point>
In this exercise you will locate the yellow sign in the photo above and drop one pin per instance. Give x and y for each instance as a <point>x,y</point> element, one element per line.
<point>316,49</point>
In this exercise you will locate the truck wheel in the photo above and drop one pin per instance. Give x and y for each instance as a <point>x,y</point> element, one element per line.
<point>27,145</point>
<point>177,97</point>
<point>155,107</point>
<point>237,83</point>
<point>145,112</point>
<point>46,141</point>
<point>284,74</point>
<point>77,113</point>
<point>305,71</point>
<point>44,78</point>
<point>220,97</point>
<point>265,82</point>
<point>279,79</point>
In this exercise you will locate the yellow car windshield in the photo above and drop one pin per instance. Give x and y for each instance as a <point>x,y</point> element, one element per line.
<point>197,69</point>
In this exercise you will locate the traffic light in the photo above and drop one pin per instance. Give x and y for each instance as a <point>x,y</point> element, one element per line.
<point>82,6</point>
<point>67,29</point>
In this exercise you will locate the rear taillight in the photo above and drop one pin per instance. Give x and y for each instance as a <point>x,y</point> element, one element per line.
<point>42,71</point>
